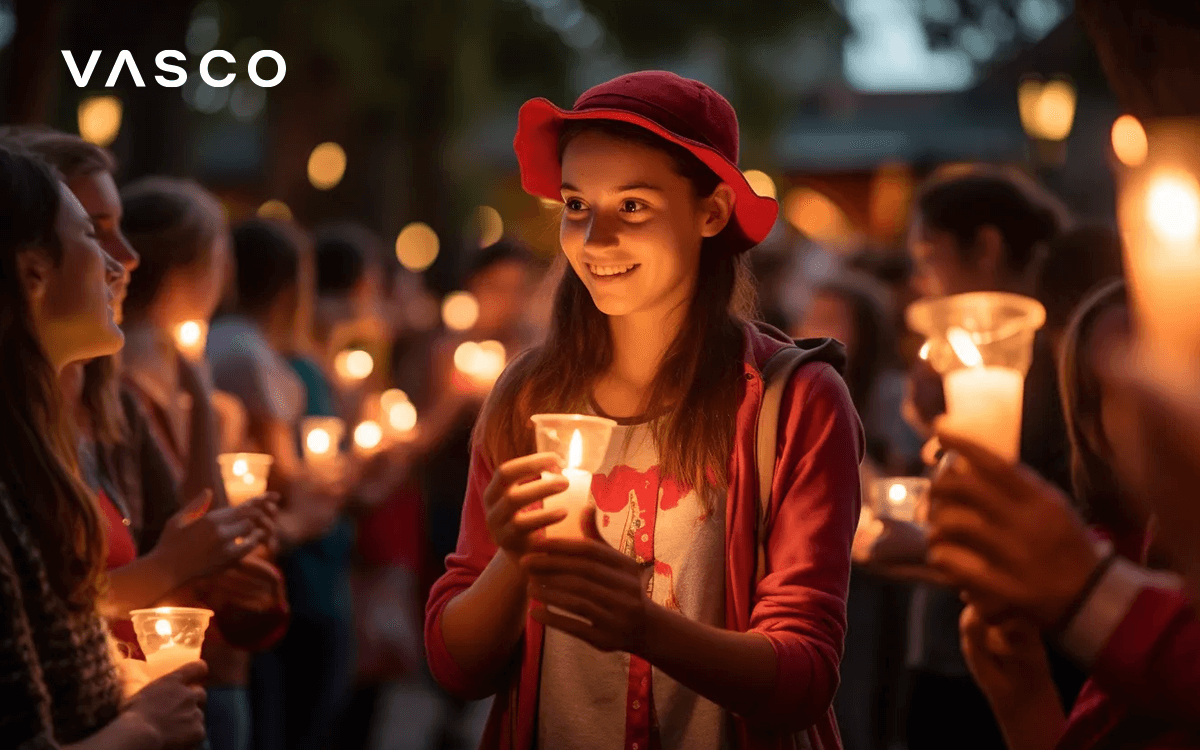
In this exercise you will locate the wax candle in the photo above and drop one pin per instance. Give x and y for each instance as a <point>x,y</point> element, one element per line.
<point>399,416</point>
<point>191,336</point>
<point>576,499</point>
<point>1159,216</point>
<point>170,636</point>
<point>901,499</point>
<point>244,475</point>
<point>322,438</point>
<point>983,404</point>
<point>353,365</point>
<point>368,437</point>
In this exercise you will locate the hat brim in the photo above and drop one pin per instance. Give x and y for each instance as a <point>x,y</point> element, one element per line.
<point>540,122</point>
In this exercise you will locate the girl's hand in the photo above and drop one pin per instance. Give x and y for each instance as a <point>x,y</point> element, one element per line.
<point>593,581</point>
<point>253,584</point>
<point>515,485</point>
<point>197,541</point>
<point>171,706</point>
<point>1007,660</point>
<point>1006,536</point>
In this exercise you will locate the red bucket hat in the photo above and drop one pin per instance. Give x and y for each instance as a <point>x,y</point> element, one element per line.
<point>681,110</point>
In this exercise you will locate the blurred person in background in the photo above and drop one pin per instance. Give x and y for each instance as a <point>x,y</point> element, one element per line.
<point>983,231</point>
<point>1077,262</point>
<point>60,684</point>
<point>262,352</point>
<point>180,233</point>
<point>853,309</point>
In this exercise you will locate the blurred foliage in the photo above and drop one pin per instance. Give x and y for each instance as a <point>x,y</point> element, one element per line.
<point>989,30</point>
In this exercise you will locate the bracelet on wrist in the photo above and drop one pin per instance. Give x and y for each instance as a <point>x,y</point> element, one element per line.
<point>1080,599</point>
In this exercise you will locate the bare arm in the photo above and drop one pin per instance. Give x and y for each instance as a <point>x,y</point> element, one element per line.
<point>482,625</point>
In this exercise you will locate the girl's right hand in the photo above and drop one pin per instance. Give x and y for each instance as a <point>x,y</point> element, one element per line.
<point>172,706</point>
<point>197,541</point>
<point>515,485</point>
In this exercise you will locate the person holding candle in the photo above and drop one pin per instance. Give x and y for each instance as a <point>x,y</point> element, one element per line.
<point>987,230</point>
<point>180,232</point>
<point>659,628</point>
<point>60,686</point>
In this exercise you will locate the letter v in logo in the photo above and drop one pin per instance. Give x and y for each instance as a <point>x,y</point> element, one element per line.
<point>81,80</point>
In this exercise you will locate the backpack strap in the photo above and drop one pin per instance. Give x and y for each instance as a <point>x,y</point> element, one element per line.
<point>776,374</point>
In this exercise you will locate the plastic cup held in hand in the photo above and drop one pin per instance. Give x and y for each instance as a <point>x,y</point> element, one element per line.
<point>170,636</point>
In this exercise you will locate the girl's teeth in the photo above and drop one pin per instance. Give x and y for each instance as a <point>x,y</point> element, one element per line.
<point>609,270</point>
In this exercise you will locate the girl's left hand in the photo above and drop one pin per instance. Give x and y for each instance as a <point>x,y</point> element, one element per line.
<point>590,579</point>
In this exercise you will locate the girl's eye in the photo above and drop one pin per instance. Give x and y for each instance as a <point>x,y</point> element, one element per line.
<point>573,204</point>
<point>630,206</point>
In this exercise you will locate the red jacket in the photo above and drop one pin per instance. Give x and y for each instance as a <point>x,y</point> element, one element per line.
<point>1145,687</point>
<point>800,604</point>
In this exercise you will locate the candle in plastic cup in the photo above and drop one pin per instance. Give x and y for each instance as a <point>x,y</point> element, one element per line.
<point>170,636</point>
<point>581,441</point>
<point>901,499</point>
<point>982,344</point>
<point>1158,209</point>
<point>322,437</point>
<point>244,475</point>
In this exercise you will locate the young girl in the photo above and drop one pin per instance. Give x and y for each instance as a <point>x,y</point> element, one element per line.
<point>685,646</point>
<point>56,307</point>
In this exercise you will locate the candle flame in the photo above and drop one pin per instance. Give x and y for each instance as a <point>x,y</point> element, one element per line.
<point>964,347</point>
<point>188,333</point>
<point>319,441</point>
<point>924,353</point>
<point>162,627</point>
<point>240,467</point>
<point>897,493</point>
<point>368,434</point>
<point>402,416</point>
<point>575,451</point>
<point>354,364</point>
<point>1173,207</point>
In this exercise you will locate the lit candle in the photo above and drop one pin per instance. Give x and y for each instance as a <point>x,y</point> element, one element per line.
<point>575,500</point>
<point>169,636</point>
<point>399,415</point>
<point>983,403</point>
<point>1159,216</point>
<point>190,338</point>
<point>584,453</point>
<point>353,365</point>
<point>482,362</point>
<point>244,475</point>
<point>901,499</point>
<point>982,344</point>
<point>322,444</point>
<point>368,437</point>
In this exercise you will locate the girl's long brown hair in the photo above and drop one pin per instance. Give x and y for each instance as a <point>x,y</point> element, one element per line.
<point>698,378</point>
<point>1093,480</point>
<point>38,464</point>
<point>74,157</point>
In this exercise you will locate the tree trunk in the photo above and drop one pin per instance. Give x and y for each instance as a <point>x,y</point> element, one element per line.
<point>1148,50</point>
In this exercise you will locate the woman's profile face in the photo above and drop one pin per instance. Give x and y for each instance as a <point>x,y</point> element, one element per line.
<point>631,225</point>
<point>98,194</point>
<point>74,302</point>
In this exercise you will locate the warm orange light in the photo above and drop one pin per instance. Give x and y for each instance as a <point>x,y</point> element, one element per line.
<point>491,225</point>
<point>274,209</point>
<point>761,182</point>
<point>353,364</point>
<point>460,310</point>
<point>326,165</point>
<point>1129,141</point>
<point>1047,109</point>
<point>417,246</point>
<point>1173,207</point>
<point>368,434</point>
<point>99,119</point>
<point>816,215</point>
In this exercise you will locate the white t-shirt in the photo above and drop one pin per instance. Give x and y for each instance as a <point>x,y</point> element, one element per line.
<point>585,694</point>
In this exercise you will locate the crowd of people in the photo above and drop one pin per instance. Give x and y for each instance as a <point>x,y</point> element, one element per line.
<point>1046,602</point>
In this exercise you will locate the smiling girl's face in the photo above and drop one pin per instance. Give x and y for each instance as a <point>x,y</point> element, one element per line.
<point>632,226</point>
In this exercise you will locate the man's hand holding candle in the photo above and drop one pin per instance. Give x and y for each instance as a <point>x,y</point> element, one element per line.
<point>1007,537</point>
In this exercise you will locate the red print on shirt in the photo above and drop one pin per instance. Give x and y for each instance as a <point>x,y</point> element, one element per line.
<point>644,493</point>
